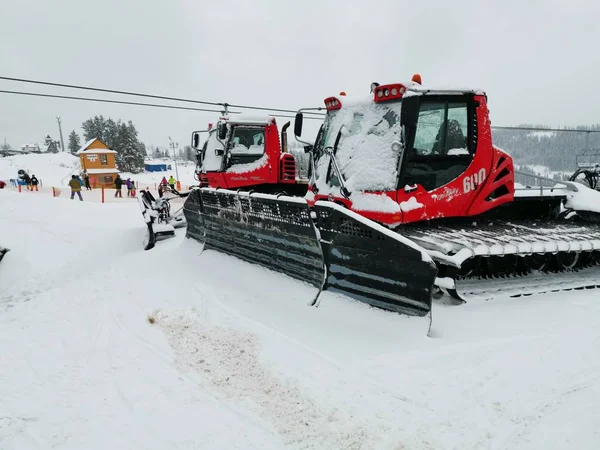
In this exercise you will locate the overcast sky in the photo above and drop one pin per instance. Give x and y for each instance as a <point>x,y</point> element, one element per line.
<point>538,60</point>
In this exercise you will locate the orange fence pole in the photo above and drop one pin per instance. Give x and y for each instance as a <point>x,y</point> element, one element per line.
<point>178,185</point>
<point>102,193</point>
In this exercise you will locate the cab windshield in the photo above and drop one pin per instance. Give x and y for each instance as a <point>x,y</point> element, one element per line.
<point>365,154</point>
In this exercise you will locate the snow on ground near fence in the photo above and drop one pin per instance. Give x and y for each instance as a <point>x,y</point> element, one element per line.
<point>49,168</point>
<point>236,358</point>
<point>56,169</point>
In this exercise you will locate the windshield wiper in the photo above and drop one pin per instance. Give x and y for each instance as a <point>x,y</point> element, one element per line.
<point>332,152</point>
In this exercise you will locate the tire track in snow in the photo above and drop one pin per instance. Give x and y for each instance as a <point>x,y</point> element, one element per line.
<point>227,359</point>
<point>366,378</point>
<point>190,381</point>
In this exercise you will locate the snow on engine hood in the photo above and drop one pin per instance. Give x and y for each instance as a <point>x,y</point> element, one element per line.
<point>585,199</point>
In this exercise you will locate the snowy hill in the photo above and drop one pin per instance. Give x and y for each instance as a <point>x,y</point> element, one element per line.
<point>50,168</point>
<point>109,346</point>
<point>56,169</point>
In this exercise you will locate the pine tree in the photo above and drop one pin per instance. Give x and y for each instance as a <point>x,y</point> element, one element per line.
<point>130,151</point>
<point>74,142</point>
<point>94,128</point>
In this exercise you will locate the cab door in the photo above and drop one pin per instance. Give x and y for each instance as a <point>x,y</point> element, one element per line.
<point>441,148</point>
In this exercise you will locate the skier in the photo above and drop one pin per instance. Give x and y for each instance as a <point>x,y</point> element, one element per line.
<point>164,181</point>
<point>133,188</point>
<point>128,184</point>
<point>34,183</point>
<point>172,182</point>
<point>75,187</point>
<point>118,185</point>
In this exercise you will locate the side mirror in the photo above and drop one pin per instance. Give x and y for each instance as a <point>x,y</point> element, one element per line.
<point>298,124</point>
<point>195,140</point>
<point>222,130</point>
<point>219,151</point>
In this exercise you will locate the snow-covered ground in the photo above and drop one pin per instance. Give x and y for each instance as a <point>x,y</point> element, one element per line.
<point>56,169</point>
<point>235,357</point>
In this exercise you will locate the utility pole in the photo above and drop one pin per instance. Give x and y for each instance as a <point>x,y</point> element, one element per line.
<point>62,142</point>
<point>173,145</point>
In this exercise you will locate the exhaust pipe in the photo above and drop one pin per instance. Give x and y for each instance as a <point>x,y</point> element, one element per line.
<point>284,142</point>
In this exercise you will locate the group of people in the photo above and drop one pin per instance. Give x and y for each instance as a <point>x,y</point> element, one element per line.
<point>129,183</point>
<point>76,184</point>
<point>31,182</point>
<point>163,183</point>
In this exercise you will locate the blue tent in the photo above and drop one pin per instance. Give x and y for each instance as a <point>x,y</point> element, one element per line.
<point>157,167</point>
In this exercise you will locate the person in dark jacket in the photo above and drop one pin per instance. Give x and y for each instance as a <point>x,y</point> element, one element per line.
<point>118,185</point>
<point>34,183</point>
<point>75,187</point>
<point>86,181</point>
<point>27,180</point>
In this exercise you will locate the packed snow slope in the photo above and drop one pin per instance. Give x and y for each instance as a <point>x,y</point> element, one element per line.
<point>104,345</point>
<point>51,168</point>
<point>56,169</point>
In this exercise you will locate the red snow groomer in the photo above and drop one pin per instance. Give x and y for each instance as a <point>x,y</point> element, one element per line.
<point>408,197</point>
<point>246,153</point>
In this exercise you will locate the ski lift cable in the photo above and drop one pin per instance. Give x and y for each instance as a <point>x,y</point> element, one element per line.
<point>158,97</point>
<point>225,105</point>
<point>122,102</point>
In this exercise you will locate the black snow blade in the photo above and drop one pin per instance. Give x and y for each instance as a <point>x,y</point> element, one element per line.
<point>261,229</point>
<point>373,264</point>
<point>339,250</point>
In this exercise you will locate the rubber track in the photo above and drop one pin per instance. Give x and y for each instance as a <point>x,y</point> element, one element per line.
<point>521,238</point>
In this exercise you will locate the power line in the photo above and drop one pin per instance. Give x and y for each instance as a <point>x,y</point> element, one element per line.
<point>158,97</point>
<point>122,102</point>
<point>211,103</point>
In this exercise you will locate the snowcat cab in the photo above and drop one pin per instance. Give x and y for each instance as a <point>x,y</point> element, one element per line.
<point>246,153</point>
<point>406,155</point>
